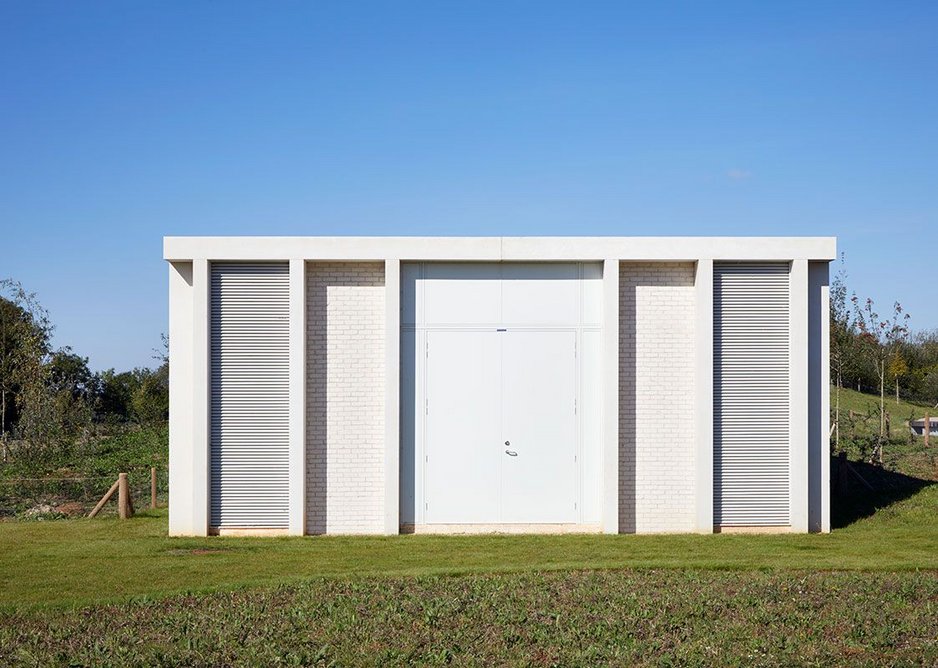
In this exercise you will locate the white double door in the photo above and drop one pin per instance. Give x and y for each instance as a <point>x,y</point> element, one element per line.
<point>501,426</point>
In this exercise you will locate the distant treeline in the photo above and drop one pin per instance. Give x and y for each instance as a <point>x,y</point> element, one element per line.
<point>880,354</point>
<point>49,397</point>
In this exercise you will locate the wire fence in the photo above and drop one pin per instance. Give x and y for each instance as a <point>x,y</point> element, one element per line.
<point>42,497</point>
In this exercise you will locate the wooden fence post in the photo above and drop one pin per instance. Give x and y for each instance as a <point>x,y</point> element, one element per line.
<point>152,487</point>
<point>123,497</point>
<point>927,428</point>
<point>104,499</point>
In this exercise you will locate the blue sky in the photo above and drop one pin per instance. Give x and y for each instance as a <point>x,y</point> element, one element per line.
<point>121,122</point>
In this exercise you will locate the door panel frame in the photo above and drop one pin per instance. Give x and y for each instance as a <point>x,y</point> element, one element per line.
<point>414,337</point>
<point>427,459</point>
<point>422,501</point>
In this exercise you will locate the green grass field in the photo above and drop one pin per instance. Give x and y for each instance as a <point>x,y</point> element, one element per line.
<point>558,618</point>
<point>866,413</point>
<point>111,592</point>
<point>80,562</point>
<point>902,453</point>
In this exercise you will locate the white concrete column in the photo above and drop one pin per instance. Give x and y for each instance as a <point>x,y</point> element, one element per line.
<point>392,388</point>
<point>180,399</point>
<point>610,361</point>
<point>201,357</point>
<point>798,394</point>
<point>703,390</point>
<point>824,381</point>
<point>297,397</point>
<point>819,515</point>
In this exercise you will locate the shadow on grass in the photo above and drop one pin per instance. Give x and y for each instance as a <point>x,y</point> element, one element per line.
<point>852,500</point>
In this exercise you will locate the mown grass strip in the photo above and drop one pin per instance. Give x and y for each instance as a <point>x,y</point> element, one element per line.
<point>79,562</point>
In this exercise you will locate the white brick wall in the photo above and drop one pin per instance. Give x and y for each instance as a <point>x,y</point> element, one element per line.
<point>656,397</point>
<point>345,397</point>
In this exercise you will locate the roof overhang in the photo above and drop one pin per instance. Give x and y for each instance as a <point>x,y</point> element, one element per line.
<point>496,249</point>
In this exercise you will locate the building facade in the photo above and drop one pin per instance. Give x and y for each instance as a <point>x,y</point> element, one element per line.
<point>377,385</point>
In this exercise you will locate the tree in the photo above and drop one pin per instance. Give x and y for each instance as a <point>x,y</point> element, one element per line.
<point>74,389</point>
<point>13,320</point>
<point>150,399</point>
<point>114,395</point>
<point>69,373</point>
<point>930,385</point>
<point>898,368</point>
<point>842,336</point>
<point>141,395</point>
<point>52,391</point>
<point>921,354</point>
<point>880,339</point>
<point>25,332</point>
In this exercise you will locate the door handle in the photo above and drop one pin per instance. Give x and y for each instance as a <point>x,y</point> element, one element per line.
<point>511,453</point>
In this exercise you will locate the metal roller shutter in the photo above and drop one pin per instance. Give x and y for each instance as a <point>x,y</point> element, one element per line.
<point>751,394</point>
<point>250,346</point>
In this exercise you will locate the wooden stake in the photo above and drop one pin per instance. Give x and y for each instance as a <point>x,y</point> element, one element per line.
<point>123,497</point>
<point>927,428</point>
<point>104,499</point>
<point>153,487</point>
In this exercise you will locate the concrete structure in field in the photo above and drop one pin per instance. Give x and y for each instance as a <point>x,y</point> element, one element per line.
<point>380,385</point>
<point>917,427</point>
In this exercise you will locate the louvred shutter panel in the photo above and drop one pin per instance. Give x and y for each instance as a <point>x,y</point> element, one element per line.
<point>751,484</point>
<point>249,441</point>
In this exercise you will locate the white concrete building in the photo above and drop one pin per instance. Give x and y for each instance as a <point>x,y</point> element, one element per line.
<point>385,385</point>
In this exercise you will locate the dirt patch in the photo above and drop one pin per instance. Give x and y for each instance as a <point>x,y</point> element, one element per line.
<point>71,509</point>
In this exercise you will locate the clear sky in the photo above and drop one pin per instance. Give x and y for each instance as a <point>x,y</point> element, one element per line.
<point>121,122</point>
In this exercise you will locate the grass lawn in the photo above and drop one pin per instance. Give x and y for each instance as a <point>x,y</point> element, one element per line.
<point>107,592</point>
<point>863,403</point>
<point>569,618</point>
<point>79,562</point>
